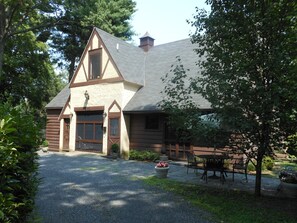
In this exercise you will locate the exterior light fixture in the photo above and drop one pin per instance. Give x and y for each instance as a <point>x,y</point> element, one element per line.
<point>104,115</point>
<point>87,96</point>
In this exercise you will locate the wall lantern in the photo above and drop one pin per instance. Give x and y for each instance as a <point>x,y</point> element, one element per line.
<point>104,115</point>
<point>87,96</point>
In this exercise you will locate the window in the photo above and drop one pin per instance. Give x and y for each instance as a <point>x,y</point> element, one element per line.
<point>152,122</point>
<point>114,127</point>
<point>94,64</point>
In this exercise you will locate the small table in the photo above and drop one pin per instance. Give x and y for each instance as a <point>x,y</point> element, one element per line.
<point>214,162</point>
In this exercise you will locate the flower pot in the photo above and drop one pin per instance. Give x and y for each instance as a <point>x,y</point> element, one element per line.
<point>161,172</point>
<point>114,155</point>
<point>288,189</point>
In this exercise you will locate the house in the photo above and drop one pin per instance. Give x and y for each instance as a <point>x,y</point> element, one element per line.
<point>113,96</point>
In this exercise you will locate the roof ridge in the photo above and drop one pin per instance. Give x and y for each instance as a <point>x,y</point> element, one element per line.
<point>114,37</point>
<point>175,41</point>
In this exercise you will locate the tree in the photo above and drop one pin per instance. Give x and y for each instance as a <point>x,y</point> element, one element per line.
<point>28,74</point>
<point>72,32</point>
<point>178,103</point>
<point>249,73</point>
<point>21,16</point>
<point>184,118</point>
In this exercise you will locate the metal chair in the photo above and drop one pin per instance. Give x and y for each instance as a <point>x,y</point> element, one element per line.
<point>241,164</point>
<point>192,162</point>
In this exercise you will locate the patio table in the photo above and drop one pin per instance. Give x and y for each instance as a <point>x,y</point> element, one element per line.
<point>214,162</point>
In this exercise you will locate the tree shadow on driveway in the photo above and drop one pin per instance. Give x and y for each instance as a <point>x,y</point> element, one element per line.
<point>89,188</point>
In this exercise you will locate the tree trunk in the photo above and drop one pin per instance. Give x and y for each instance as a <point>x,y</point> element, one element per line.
<point>258,175</point>
<point>1,57</point>
<point>71,69</point>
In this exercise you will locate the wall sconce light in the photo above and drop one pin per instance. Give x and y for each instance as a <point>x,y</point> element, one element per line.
<point>104,115</point>
<point>87,96</point>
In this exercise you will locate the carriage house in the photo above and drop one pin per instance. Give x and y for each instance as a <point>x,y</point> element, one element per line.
<point>113,96</point>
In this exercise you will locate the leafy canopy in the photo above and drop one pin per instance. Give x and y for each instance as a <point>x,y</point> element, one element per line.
<point>249,75</point>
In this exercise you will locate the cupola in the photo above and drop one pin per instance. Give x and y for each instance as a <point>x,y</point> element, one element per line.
<point>146,42</point>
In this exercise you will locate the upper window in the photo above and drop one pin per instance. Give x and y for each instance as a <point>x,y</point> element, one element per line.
<point>95,64</point>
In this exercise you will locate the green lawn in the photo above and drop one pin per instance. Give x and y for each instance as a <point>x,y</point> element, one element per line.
<point>231,206</point>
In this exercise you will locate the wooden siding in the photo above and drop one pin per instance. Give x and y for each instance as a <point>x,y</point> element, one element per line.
<point>177,151</point>
<point>146,139</point>
<point>53,129</point>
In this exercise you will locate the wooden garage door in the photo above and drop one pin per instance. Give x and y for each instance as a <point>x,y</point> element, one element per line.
<point>53,129</point>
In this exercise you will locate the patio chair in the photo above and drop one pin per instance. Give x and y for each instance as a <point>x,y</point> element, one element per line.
<point>242,165</point>
<point>192,162</point>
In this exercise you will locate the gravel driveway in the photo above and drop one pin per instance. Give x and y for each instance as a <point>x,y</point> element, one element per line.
<point>88,188</point>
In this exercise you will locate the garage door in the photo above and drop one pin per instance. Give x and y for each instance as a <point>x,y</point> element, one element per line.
<point>89,130</point>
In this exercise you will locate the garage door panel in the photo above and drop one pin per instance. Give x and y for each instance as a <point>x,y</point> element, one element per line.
<point>89,133</point>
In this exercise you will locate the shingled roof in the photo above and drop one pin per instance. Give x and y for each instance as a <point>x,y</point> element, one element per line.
<point>60,100</point>
<point>129,59</point>
<point>145,69</point>
<point>158,63</point>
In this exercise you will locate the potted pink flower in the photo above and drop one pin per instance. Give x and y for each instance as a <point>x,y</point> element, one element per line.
<point>162,169</point>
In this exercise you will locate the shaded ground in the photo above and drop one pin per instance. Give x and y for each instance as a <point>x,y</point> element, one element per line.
<point>79,187</point>
<point>89,188</point>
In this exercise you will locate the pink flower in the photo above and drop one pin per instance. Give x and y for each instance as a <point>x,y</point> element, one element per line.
<point>162,164</point>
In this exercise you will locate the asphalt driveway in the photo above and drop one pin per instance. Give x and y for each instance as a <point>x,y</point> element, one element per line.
<point>86,188</point>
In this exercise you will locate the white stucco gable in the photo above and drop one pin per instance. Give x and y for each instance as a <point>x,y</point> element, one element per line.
<point>107,66</point>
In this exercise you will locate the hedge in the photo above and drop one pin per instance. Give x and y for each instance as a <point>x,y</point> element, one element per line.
<point>19,140</point>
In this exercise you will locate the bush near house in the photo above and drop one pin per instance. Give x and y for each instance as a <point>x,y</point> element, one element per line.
<point>19,140</point>
<point>268,163</point>
<point>143,155</point>
<point>292,144</point>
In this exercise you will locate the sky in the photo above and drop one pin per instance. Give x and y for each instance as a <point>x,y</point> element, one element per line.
<point>164,20</point>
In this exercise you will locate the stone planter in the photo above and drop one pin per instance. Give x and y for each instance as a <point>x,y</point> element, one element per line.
<point>161,172</point>
<point>288,189</point>
<point>114,155</point>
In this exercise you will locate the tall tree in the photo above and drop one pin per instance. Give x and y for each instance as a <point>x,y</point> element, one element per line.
<point>27,72</point>
<point>249,73</point>
<point>71,34</point>
<point>21,16</point>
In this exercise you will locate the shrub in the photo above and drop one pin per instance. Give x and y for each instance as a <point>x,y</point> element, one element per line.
<point>144,155</point>
<point>268,163</point>
<point>115,148</point>
<point>19,140</point>
<point>292,144</point>
<point>251,167</point>
<point>45,143</point>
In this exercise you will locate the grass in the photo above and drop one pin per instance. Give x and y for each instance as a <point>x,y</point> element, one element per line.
<point>231,206</point>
